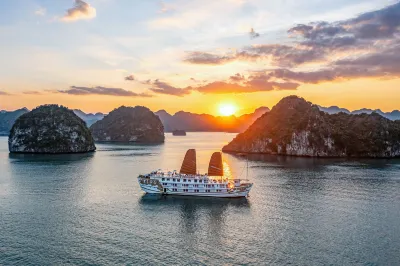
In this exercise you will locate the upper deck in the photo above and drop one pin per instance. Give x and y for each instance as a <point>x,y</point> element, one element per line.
<point>175,177</point>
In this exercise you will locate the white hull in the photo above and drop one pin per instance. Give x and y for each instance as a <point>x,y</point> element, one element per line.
<point>154,190</point>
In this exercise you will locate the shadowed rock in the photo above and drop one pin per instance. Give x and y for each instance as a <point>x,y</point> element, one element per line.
<point>50,129</point>
<point>129,124</point>
<point>297,127</point>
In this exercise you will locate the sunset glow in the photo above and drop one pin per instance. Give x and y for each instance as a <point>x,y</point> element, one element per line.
<point>187,55</point>
<point>227,109</point>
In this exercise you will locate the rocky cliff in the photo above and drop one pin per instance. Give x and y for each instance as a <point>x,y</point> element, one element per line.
<point>297,127</point>
<point>129,124</point>
<point>50,129</point>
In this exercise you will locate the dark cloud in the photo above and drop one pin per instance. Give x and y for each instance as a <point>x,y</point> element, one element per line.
<point>130,78</point>
<point>317,30</point>
<point>334,73</point>
<point>319,41</point>
<point>164,88</point>
<point>383,23</point>
<point>253,34</point>
<point>74,90</point>
<point>207,58</point>
<point>365,46</point>
<point>381,63</point>
<point>282,55</point>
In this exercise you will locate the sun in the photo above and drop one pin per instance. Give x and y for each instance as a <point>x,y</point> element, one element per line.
<point>227,109</point>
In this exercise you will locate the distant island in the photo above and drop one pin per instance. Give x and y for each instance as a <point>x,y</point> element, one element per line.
<point>50,129</point>
<point>7,120</point>
<point>178,132</point>
<point>191,122</point>
<point>299,128</point>
<point>129,124</point>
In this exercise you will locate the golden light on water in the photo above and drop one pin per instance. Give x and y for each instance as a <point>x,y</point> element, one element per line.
<point>227,170</point>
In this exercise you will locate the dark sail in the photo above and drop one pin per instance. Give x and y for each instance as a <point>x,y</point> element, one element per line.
<point>189,163</point>
<point>215,167</point>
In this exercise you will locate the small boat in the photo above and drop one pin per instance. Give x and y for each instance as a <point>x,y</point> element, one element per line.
<point>189,183</point>
<point>179,133</point>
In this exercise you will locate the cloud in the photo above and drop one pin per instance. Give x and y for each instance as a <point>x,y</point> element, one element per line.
<point>253,34</point>
<point>130,78</point>
<point>164,88</point>
<point>236,78</point>
<point>165,8</point>
<point>4,93</point>
<point>365,46</point>
<point>207,58</point>
<point>255,83</point>
<point>81,10</point>
<point>281,55</point>
<point>32,92</point>
<point>40,11</point>
<point>74,90</point>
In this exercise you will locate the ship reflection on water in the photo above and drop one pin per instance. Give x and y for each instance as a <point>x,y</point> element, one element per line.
<point>200,202</point>
<point>200,219</point>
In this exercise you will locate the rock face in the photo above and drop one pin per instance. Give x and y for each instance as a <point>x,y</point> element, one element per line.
<point>50,129</point>
<point>297,127</point>
<point>129,124</point>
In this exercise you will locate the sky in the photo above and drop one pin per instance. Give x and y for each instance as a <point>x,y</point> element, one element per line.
<point>97,55</point>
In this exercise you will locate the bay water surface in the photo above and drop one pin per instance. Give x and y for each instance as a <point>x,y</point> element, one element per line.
<point>88,209</point>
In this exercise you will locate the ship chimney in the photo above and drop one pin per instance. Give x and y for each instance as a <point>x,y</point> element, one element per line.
<point>215,167</point>
<point>189,163</point>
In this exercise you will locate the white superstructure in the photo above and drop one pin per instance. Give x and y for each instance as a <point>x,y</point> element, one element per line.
<point>186,182</point>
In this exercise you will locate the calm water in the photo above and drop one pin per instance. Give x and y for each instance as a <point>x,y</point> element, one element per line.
<point>89,210</point>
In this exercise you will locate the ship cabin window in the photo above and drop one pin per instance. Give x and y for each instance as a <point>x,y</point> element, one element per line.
<point>218,190</point>
<point>163,179</point>
<point>174,189</point>
<point>167,179</point>
<point>184,180</point>
<point>178,180</point>
<point>173,179</point>
<point>222,186</point>
<point>164,184</point>
<point>185,190</point>
<point>207,190</point>
<point>189,180</point>
<point>196,190</point>
<point>195,180</point>
<point>213,186</point>
<point>200,181</point>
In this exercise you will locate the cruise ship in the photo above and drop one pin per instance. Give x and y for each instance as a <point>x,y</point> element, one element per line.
<point>188,182</point>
